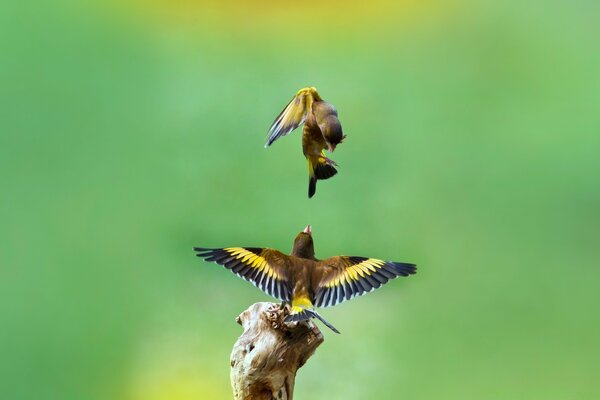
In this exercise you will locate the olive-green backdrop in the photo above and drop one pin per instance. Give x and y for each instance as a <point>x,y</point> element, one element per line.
<point>132,131</point>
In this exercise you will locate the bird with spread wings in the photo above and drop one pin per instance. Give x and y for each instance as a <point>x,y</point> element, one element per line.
<point>301,280</point>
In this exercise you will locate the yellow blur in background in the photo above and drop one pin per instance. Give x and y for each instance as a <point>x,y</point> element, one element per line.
<point>131,132</point>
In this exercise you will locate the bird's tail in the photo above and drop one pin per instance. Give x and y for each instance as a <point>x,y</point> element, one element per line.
<point>319,168</point>
<point>306,314</point>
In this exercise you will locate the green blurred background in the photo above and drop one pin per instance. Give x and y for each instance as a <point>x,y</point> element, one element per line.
<point>131,132</point>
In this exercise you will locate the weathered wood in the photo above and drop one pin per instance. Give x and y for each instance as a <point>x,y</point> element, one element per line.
<point>267,355</point>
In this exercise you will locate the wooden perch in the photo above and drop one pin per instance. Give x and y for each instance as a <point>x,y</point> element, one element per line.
<point>267,355</point>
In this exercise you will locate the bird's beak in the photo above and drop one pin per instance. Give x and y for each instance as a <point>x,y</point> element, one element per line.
<point>331,147</point>
<point>307,229</point>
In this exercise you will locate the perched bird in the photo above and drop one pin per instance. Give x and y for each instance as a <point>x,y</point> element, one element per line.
<point>303,281</point>
<point>322,129</point>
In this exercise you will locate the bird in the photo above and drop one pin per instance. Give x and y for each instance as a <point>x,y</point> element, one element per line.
<point>322,129</point>
<point>302,281</point>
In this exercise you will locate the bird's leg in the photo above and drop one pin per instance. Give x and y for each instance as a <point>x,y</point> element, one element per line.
<point>283,304</point>
<point>329,161</point>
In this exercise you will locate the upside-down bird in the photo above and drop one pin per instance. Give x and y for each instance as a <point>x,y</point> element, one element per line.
<point>303,281</point>
<point>322,129</point>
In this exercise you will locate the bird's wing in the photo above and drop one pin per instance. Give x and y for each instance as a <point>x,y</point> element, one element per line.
<point>342,278</point>
<point>293,115</point>
<point>267,269</point>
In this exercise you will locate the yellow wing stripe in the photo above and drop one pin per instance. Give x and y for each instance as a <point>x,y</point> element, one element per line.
<point>362,270</point>
<point>246,257</point>
<point>350,272</point>
<point>356,272</point>
<point>235,250</point>
<point>252,260</point>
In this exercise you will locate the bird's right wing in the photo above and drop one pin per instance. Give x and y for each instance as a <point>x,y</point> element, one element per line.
<point>267,269</point>
<point>293,115</point>
<point>342,278</point>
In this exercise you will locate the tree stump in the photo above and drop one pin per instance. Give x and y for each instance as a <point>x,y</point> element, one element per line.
<point>267,355</point>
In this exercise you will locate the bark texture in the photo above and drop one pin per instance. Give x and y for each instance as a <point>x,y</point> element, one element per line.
<point>266,357</point>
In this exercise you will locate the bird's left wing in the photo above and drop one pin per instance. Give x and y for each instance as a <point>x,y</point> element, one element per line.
<point>293,115</point>
<point>267,269</point>
<point>341,278</point>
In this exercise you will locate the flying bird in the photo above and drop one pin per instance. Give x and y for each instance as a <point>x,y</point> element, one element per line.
<point>322,129</point>
<point>303,281</point>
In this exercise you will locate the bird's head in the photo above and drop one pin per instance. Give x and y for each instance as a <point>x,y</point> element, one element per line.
<point>334,136</point>
<point>303,244</point>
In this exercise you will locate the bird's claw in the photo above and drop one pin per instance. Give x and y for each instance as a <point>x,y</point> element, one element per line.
<point>329,161</point>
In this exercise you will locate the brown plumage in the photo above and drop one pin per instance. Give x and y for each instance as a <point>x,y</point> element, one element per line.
<point>302,280</point>
<point>322,129</point>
